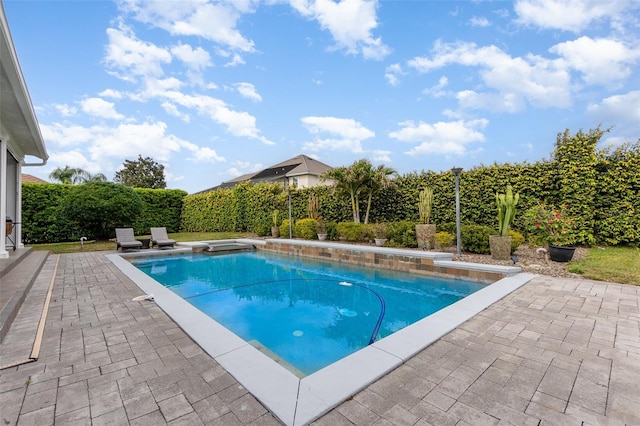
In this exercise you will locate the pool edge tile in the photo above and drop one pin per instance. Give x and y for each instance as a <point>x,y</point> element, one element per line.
<point>300,401</point>
<point>326,388</point>
<point>270,383</point>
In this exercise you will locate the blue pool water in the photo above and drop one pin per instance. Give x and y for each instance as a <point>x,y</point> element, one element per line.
<point>308,313</point>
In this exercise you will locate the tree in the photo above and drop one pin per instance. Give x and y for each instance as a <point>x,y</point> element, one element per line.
<point>378,179</point>
<point>69,175</point>
<point>98,177</point>
<point>358,178</point>
<point>73,176</point>
<point>143,173</point>
<point>100,207</point>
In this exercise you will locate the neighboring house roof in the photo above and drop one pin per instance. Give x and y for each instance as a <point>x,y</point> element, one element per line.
<point>17,116</point>
<point>32,179</point>
<point>297,166</point>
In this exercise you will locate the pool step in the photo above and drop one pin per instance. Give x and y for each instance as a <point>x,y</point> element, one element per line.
<point>218,248</point>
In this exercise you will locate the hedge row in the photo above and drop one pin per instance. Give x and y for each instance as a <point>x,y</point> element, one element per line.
<point>601,187</point>
<point>46,220</point>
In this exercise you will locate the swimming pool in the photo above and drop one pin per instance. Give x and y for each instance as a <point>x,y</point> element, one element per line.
<point>298,401</point>
<point>304,313</point>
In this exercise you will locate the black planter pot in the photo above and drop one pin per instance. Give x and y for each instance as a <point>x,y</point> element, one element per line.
<point>561,253</point>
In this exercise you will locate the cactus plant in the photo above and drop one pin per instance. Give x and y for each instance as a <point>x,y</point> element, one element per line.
<point>424,205</point>
<point>506,204</point>
<point>314,207</point>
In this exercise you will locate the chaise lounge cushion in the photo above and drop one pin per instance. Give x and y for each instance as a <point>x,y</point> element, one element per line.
<point>160,238</point>
<point>125,239</point>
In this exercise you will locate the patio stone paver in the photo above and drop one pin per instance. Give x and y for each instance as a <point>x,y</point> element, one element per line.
<point>556,351</point>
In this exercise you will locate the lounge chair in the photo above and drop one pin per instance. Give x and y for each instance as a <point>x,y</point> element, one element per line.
<point>160,239</point>
<point>126,240</point>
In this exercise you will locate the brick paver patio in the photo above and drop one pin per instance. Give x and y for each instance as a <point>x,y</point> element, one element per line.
<point>556,351</point>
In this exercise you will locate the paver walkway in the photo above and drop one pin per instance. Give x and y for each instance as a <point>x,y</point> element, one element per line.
<point>556,351</point>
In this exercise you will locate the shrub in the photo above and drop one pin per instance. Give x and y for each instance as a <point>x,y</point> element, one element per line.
<point>402,233</point>
<point>516,240</point>
<point>284,229</point>
<point>409,238</point>
<point>445,239</point>
<point>100,207</point>
<point>351,231</point>
<point>332,231</point>
<point>475,238</point>
<point>378,230</point>
<point>263,229</point>
<point>307,229</point>
<point>449,227</point>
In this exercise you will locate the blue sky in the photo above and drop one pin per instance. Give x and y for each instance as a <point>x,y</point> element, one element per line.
<point>215,89</point>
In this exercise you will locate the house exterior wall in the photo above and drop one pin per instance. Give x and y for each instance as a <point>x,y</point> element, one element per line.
<point>306,181</point>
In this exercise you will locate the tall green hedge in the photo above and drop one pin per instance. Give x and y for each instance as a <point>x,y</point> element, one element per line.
<point>43,220</point>
<point>600,186</point>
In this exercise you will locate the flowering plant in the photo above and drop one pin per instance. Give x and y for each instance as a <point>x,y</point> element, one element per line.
<point>550,224</point>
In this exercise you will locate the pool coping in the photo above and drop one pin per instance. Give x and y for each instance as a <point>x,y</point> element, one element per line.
<point>299,401</point>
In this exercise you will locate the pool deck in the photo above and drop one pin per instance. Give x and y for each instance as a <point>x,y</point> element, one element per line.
<point>555,351</point>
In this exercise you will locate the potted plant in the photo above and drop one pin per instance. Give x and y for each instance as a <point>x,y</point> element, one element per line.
<point>313,210</point>
<point>500,245</point>
<point>379,231</point>
<point>322,228</point>
<point>275,229</point>
<point>554,226</point>
<point>425,231</point>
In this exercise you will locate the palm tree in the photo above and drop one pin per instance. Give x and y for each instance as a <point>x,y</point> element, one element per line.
<point>68,175</point>
<point>378,179</point>
<point>73,176</point>
<point>359,178</point>
<point>348,181</point>
<point>98,177</point>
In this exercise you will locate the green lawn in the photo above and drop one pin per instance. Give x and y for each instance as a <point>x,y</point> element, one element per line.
<point>76,247</point>
<point>612,264</point>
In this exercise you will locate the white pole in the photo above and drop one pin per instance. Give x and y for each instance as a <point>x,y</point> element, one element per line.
<point>4,254</point>
<point>456,171</point>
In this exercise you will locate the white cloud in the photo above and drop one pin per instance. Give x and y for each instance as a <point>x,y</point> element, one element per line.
<point>601,61</point>
<point>479,21</point>
<point>567,15</point>
<point>98,107</point>
<point>173,110</point>
<point>122,142</point>
<point>248,90</point>
<point>233,171</point>
<point>442,137</point>
<point>212,21</point>
<point>350,23</point>
<point>65,134</point>
<point>436,91</point>
<point>196,59</point>
<point>73,158</point>
<point>110,93</point>
<point>66,110</point>
<point>623,113</point>
<point>392,72</point>
<point>203,154</point>
<point>244,167</point>
<point>127,56</point>
<point>381,156</point>
<point>624,108</point>
<point>130,140</point>
<point>241,124</point>
<point>518,81</point>
<point>347,133</point>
